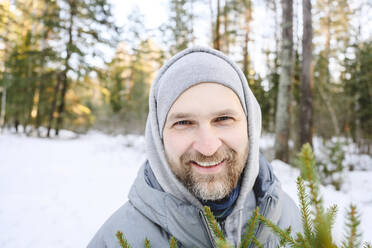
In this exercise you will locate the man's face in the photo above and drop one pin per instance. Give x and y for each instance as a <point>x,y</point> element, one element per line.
<point>206,141</point>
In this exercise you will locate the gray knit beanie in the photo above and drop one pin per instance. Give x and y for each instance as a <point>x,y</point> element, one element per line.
<point>184,70</point>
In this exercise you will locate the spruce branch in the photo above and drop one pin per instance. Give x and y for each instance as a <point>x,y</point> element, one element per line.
<point>303,241</point>
<point>284,235</point>
<point>352,235</point>
<point>257,243</point>
<point>250,230</point>
<point>122,240</point>
<point>213,225</point>
<point>308,172</point>
<point>173,243</point>
<point>305,211</point>
<point>317,224</point>
<point>331,214</point>
<point>323,230</point>
<point>147,243</point>
<point>223,244</point>
<point>367,245</point>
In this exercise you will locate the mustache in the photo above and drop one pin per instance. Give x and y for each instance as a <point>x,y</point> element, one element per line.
<point>223,153</point>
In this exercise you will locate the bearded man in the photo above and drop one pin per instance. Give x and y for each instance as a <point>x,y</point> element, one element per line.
<point>202,140</point>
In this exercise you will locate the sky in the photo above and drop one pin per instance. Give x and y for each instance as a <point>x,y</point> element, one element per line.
<point>155,12</point>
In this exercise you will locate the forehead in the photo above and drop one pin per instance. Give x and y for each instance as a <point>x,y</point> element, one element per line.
<point>206,99</point>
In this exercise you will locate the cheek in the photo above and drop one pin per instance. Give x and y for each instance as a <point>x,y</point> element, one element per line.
<point>236,139</point>
<point>176,144</point>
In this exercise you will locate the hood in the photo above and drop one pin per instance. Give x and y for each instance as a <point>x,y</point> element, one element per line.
<point>185,69</point>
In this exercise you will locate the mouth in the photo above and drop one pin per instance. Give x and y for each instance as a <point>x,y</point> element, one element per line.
<point>207,164</point>
<point>208,167</point>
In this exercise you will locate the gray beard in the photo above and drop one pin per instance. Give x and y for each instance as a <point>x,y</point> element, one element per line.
<point>210,187</point>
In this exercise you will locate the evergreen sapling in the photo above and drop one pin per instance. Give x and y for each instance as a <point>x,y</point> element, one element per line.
<point>317,222</point>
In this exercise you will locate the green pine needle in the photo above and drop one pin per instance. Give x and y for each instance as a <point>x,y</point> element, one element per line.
<point>367,245</point>
<point>257,243</point>
<point>352,238</point>
<point>147,243</point>
<point>223,244</point>
<point>331,214</point>
<point>250,230</point>
<point>173,243</point>
<point>304,207</point>
<point>317,224</point>
<point>213,224</point>
<point>284,235</point>
<point>308,171</point>
<point>122,240</point>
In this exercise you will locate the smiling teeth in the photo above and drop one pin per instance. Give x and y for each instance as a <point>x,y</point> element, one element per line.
<point>208,164</point>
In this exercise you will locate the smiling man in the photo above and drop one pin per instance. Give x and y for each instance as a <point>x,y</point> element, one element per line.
<point>206,140</point>
<point>202,138</point>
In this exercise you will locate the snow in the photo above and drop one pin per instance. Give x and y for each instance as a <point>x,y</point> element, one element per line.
<point>58,192</point>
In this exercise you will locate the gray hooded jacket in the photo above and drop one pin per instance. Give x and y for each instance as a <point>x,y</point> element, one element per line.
<point>160,206</point>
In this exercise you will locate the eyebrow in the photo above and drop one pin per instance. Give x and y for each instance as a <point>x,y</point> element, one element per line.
<point>182,115</point>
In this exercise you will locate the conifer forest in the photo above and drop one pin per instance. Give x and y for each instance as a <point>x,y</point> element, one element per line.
<point>80,66</point>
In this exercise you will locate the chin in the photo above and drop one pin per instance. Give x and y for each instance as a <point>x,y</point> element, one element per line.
<point>211,191</point>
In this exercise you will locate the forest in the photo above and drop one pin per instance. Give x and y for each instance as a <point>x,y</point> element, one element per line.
<point>75,77</point>
<point>67,64</point>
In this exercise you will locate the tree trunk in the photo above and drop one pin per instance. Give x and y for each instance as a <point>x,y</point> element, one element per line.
<point>29,100</point>
<point>38,114</point>
<point>41,81</point>
<point>61,107</point>
<point>306,105</point>
<point>247,19</point>
<point>273,100</point>
<point>282,112</point>
<point>3,102</point>
<point>3,89</point>
<point>225,46</point>
<point>217,36</point>
<point>54,103</point>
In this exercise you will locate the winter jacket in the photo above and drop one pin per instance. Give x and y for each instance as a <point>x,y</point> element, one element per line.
<point>154,214</point>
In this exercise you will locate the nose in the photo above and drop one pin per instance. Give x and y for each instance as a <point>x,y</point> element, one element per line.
<point>207,142</point>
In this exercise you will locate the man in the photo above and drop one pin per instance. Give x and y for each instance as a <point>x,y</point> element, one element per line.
<point>202,138</point>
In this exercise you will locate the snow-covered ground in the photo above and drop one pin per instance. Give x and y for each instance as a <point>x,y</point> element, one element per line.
<point>58,192</point>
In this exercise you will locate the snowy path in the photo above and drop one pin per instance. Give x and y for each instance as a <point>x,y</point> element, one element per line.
<point>57,193</point>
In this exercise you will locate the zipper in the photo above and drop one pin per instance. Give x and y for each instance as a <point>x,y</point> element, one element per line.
<point>206,226</point>
<point>264,212</point>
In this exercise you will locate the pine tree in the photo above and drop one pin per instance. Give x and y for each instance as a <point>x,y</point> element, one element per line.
<point>179,30</point>
<point>74,22</point>
<point>356,82</point>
